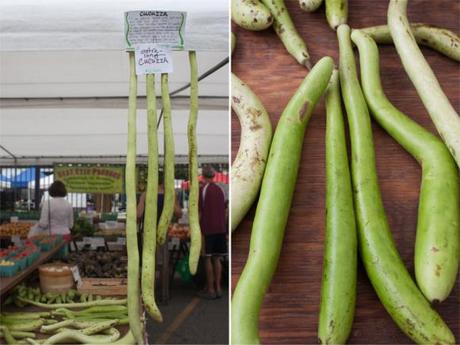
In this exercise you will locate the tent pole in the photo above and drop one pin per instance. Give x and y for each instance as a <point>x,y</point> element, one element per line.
<point>37,188</point>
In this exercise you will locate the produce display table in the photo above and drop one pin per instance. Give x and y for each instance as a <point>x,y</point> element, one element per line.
<point>290,310</point>
<point>7,283</point>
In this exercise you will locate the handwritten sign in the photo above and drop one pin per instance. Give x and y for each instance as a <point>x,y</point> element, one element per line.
<point>160,27</point>
<point>151,59</point>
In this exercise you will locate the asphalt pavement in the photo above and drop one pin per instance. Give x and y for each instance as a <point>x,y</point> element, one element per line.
<point>189,319</point>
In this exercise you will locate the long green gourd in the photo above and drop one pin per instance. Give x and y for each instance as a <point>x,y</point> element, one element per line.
<point>274,204</point>
<point>286,31</point>
<point>310,5</point>
<point>150,210</point>
<point>444,41</point>
<point>193,214</point>
<point>385,269</point>
<point>169,190</point>
<point>338,286</point>
<point>336,12</point>
<point>438,227</point>
<point>251,14</point>
<point>134,307</point>
<point>444,116</point>
<point>249,164</point>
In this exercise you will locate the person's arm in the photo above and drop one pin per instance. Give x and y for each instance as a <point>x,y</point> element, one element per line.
<point>141,206</point>
<point>34,231</point>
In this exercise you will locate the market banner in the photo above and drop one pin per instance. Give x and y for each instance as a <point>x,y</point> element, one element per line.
<point>91,178</point>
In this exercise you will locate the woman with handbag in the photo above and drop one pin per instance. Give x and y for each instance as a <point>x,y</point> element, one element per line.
<point>56,215</point>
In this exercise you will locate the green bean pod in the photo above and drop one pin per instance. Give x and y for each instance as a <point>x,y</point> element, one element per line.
<point>128,339</point>
<point>91,311</point>
<point>274,204</point>
<point>30,341</point>
<point>438,227</point>
<point>134,307</point>
<point>385,269</point>
<point>74,336</point>
<point>336,12</point>
<point>249,165</point>
<point>103,302</point>
<point>232,42</point>
<point>310,5</point>
<point>444,41</point>
<point>14,321</point>
<point>26,315</point>
<point>444,116</point>
<point>6,333</point>
<point>193,214</point>
<point>338,286</point>
<point>98,327</point>
<point>19,334</point>
<point>52,328</point>
<point>169,189</point>
<point>150,211</point>
<point>26,326</point>
<point>251,15</point>
<point>286,31</point>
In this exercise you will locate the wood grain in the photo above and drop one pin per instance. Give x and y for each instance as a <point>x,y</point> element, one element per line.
<point>290,311</point>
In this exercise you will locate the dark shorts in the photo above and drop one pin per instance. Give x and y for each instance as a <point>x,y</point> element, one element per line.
<point>215,245</point>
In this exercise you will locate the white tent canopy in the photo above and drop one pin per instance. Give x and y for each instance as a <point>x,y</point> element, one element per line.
<point>64,80</point>
<point>98,24</point>
<point>45,132</point>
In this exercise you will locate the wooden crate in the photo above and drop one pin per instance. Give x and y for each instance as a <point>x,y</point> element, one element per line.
<point>104,286</point>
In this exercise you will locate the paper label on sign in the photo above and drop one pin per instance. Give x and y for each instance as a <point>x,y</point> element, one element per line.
<point>151,59</point>
<point>161,27</point>
<point>76,276</point>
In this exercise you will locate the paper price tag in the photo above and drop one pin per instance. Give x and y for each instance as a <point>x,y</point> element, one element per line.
<point>86,240</point>
<point>16,239</point>
<point>76,276</point>
<point>151,59</point>
<point>97,242</point>
<point>121,240</point>
<point>162,27</point>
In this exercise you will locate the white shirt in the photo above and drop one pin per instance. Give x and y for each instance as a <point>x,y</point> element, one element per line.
<point>61,213</point>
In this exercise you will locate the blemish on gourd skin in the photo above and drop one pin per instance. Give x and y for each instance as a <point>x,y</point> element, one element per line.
<point>438,270</point>
<point>304,110</point>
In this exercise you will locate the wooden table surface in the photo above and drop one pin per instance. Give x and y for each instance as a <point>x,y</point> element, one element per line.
<point>290,310</point>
